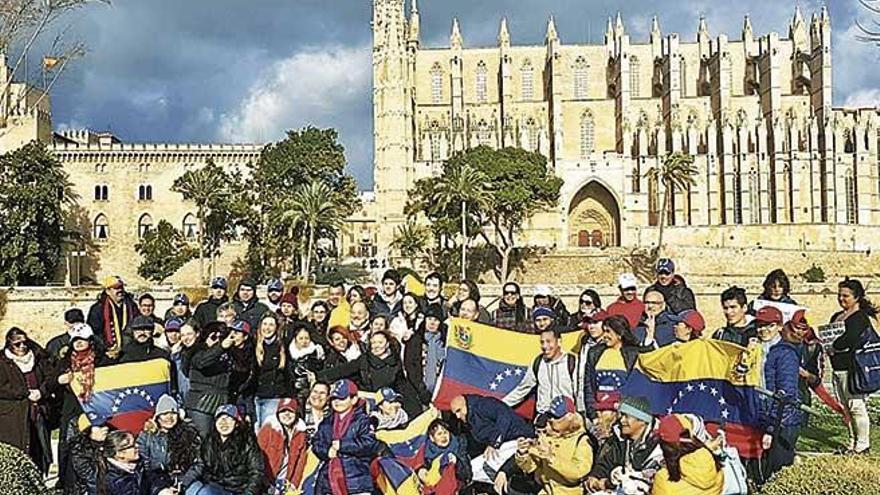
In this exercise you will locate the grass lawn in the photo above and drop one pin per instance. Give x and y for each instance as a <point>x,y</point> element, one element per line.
<point>827,432</point>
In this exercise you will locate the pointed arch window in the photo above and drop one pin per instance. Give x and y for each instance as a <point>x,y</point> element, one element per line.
<point>588,134</point>
<point>683,69</point>
<point>852,204</point>
<point>532,135</point>
<point>437,84</point>
<point>754,197</point>
<point>527,74</point>
<point>634,68</point>
<point>145,192</point>
<point>653,201</point>
<point>484,134</point>
<point>580,78</point>
<point>102,192</point>
<point>145,224</point>
<point>190,226</point>
<point>101,230</point>
<point>482,80</point>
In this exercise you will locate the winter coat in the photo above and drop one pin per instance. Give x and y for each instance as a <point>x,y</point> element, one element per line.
<point>155,449</point>
<point>39,416</point>
<point>812,361</point>
<point>83,458</point>
<point>251,311</point>
<point>300,362</point>
<point>698,476</point>
<point>856,324</point>
<point>206,311</point>
<point>677,294</point>
<point>563,317</point>
<point>120,481</point>
<point>390,308</point>
<point>641,455</point>
<point>412,352</point>
<point>372,373</point>
<point>14,405</point>
<point>457,447</point>
<point>235,465</point>
<point>209,371</point>
<point>134,352</point>
<point>570,461</point>
<point>335,358</point>
<point>275,444</point>
<point>737,335</point>
<point>492,423</point>
<point>781,368</point>
<point>517,318</point>
<point>631,310</point>
<point>273,382</point>
<point>243,376</point>
<point>582,380</point>
<point>554,378</point>
<point>357,448</point>
<point>630,354</point>
<point>105,331</point>
<point>70,406</point>
<point>664,330</point>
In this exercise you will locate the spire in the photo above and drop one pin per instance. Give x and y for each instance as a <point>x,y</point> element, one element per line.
<point>655,29</point>
<point>551,31</point>
<point>618,26</point>
<point>703,29</point>
<point>455,40</point>
<point>609,32</point>
<point>504,34</point>
<point>798,16</point>
<point>414,22</point>
<point>825,18</point>
<point>797,30</point>
<point>747,33</point>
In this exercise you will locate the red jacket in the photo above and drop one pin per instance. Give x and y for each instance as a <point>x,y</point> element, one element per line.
<point>271,441</point>
<point>632,310</point>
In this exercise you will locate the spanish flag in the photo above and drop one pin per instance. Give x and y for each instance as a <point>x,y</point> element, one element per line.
<point>488,361</point>
<point>699,377</point>
<point>126,394</point>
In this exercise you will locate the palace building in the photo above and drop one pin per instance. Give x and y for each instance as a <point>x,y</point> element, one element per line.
<point>755,110</point>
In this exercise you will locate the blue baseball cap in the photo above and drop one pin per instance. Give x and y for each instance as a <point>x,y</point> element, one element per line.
<point>240,326</point>
<point>275,285</point>
<point>181,298</point>
<point>343,389</point>
<point>387,394</point>
<point>219,283</point>
<point>228,410</point>
<point>173,324</point>
<point>665,265</point>
<point>560,406</point>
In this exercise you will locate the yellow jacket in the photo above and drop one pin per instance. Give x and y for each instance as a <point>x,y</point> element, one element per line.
<point>570,461</point>
<point>698,477</point>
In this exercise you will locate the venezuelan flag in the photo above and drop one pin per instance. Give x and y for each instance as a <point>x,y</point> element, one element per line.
<point>489,361</point>
<point>126,394</point>
<point>408,445</point>
<point>310,472</point>
<point>441,478</point>
<point>698,377</point>
<point>393,477</point>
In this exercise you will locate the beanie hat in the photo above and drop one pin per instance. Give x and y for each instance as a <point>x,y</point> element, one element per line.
<point>607,401</point>
<point>113,282</point>
<point>560,406</point>
<point>542,311</point>
<point>637,407</point>
<point>248,282</point>
<point>287,404</point>
<point>670,429</point>
<point>74,315</point>
<point>289,298</point>
<point>166,404</point>
<point>434,311</point>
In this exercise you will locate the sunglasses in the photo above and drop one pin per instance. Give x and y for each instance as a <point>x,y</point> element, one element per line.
<point>22,343</point>
<point>587,301</point>
<point>127,447</point>
<point>511,293</point>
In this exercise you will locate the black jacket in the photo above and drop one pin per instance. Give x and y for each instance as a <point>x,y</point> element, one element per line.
<point>251,311</point>
<point>621,451</point>
<point>413,363</point>
<point>125,311</point>
<point>134,352</point>
<point>273,382</point>
<point>856,323</point>
<point>235,465</point>
<point>82,471</point>
<point>737,335</point>
<point>208,369</point>
<point>139,482</point>
<point>677,295</point>
<point>243,379</point>
<point>206,311</point>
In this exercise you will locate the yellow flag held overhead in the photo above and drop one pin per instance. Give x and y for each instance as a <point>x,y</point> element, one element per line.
<point>413,285</point>
<point>340,316</point>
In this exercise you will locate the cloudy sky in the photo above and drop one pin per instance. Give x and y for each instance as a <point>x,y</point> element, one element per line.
<point>246,70</point>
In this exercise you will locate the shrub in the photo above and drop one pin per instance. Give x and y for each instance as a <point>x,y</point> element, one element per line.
<point>827,475</point>
<point>814,274</point>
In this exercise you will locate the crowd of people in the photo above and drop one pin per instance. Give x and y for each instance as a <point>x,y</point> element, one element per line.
<point>257,385</point>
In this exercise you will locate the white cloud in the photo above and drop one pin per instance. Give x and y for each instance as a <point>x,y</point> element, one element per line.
<point>315,86</point>
<point>864,98</point>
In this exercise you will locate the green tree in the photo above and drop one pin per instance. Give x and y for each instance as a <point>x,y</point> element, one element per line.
<point>312,208</point>
<point>163,251</point>
<point>275,236</point>
<point>677,172</point>
<point>34,192</point>
<point>210,188</point>
<point>411,240</point>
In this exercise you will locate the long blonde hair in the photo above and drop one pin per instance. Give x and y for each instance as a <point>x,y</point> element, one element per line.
<point>279,334</point>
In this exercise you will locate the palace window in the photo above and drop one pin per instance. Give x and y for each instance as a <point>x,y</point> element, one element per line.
<point>588,134</point>
<point>634,67</point>
<point>145,224</point>
<point>580,78</point>
<point>436,84</point>
<point>101,229</point>
<point>145,192</point>
<point>190,226</point>
<point>102,193</point>
<point>482,79</point>
<point>528,81</point>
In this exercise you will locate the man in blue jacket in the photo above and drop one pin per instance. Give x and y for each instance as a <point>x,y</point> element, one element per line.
<point>346,444</point>
<point>495,428</point>
<point>781,367</point>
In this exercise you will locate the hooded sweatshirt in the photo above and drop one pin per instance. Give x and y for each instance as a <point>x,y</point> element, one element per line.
<point>553,379</point>
<point>571,457</point>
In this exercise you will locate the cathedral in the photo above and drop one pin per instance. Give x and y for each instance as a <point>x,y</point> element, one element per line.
<point>778,165</point>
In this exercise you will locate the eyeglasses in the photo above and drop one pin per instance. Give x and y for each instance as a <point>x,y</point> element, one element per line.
<point>127,447</point>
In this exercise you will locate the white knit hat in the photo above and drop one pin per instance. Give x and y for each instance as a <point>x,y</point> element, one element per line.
<point>166,404</point>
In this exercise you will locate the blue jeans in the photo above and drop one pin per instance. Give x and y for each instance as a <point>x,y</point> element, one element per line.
<point>199,488</point>
<point>265,410</point>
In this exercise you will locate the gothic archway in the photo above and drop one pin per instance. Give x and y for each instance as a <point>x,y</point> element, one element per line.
<point>594,217</point>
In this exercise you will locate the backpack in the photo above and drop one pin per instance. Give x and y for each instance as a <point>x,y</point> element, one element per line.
<point>864,377</point>
<point>572,366</point>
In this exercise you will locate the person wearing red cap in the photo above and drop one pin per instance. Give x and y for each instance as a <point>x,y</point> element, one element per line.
<point>690,326</point>
<point>689,467</point>
<point>284,442</point>
<point>606,415</point>
<point>562,455</point>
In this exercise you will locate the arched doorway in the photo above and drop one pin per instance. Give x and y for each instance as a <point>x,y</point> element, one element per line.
<point>594,217</point>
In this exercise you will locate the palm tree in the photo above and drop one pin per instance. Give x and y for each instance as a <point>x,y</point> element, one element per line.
<point>466,186</point>
<point>313,206</point>
<point>411,240</point>
<point>676,173</point>
<point>206,187</point>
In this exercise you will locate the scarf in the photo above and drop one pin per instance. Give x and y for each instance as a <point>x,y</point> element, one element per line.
<point>296,353</point>
<point>433,451</point>
<point>82,364</point>
<point>25,363</point>
<point>113,328</point>
<point>334,471</point>
<point>128,467</point>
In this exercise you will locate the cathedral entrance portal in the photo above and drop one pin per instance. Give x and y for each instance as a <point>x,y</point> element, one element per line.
<point>594,218</point>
